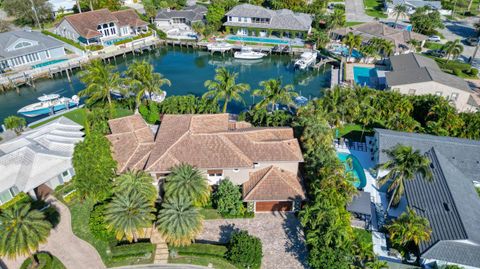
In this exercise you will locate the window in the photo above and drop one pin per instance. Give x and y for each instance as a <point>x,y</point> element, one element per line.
<point>22,44</point>
<point>229,18</point>
<point>47,53</point>
<point>255,165</point>
<point>454,96</point>
<point>5,196</point>
<point>438,93</point>
<point>65,174</point>
<point>411,91</point>
<point>236,170</point>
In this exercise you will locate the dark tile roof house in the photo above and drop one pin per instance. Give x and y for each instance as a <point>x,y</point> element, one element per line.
<point>283,19</point>
<point>450,201</point>
<point>41,43</point>
<point>413,68</point>
<point>191,13</point>
<point>85,24</point>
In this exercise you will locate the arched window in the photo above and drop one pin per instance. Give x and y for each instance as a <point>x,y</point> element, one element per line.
<point>23,44</point>
<point>111,24</point>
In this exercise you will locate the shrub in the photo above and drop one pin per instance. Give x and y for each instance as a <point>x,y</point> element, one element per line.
<point>154,115</point>
<point>228,199</point>
<point>18,199</point>
<point>45,261</point>
<point>244,250</point>
<point>132,250</point>
<point>94,47</point>
<point>474,72</point>
<point>457,72</point>
<point>66,40</point>
<point>97,224</point>
<point>15,123</point>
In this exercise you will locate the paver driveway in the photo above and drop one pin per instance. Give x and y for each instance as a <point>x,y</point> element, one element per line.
<point>282,238</point>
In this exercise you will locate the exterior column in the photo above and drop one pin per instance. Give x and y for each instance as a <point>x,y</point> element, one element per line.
<point>33,195</point>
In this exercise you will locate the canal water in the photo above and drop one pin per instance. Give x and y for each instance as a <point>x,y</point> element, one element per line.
<point>187,69</point>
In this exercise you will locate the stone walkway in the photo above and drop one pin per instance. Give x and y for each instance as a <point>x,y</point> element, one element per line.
<point>73,252</point>
<point>161,251</point>
<point>282,237</point>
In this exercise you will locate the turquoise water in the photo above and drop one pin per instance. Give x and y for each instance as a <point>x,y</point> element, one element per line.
<point>356,170</point>
<point>254,39</point>
<point>113,41</point>
<point>343,50</point>
<point>188,70</point>
<point>365,76</point>
<point>49,63</point>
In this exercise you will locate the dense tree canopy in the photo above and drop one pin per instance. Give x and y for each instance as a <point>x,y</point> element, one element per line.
<point>23,12</point>
<point>426,21</point>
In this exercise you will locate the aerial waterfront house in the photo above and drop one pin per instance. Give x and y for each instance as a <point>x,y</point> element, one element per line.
<point>101,26</point>
<point>25,48</point>
<point>263,160</point>
<point>251,20</point>
<point>38,160</point>
<point>167,18</point>
<point>419,75</point>
<point>449,201</point>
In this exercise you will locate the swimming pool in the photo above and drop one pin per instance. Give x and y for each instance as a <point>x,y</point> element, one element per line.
<point>48,63</point>
<point>255,39</point>
<point>355,168</point>
<point>343,50</point>
<point>365,76</point>
<point>113,41</point>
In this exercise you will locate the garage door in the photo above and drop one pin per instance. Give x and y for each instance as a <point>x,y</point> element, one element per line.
<point>273,206</point>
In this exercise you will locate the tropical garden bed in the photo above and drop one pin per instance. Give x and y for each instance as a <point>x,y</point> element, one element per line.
<point>45,261</point>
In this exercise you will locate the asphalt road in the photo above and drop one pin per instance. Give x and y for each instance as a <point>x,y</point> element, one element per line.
<point>355,11</point>
<point>460,30</point>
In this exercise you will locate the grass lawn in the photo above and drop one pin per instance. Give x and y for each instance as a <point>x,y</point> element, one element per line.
<point>433,45</point>
<point>352,23</point>
<point>203,254</point>
<point>210,213</point>
<point>374,8</point>
<point>353,132</point>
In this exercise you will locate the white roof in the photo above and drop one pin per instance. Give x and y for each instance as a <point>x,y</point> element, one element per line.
<point>38,155</point>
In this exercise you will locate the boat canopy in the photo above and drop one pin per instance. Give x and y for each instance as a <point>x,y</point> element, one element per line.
<point>48,97</point>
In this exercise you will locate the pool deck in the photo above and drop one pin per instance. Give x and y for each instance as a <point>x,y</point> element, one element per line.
<point>349,77</point>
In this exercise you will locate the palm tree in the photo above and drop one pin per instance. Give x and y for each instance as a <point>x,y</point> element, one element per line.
<point>453,48</point>
<point>128,214</point>
<point>404,163</point>
<point>416,45</point>
<point>320,38</point>
<point>274,92</point>
<point>387,47</point>
<point>198,27</point>
<point>145,80</point>
<point>477,30</point>
<point>224,87</point>
<point>136,181</point>
<point>187,181</point>
<point>409,227</point>
<point>22,230</point>
<point>337,19</point>
<point>377,264</point>
<point>352,41</point>
<point>179,222</point>
<point>400,10</point>
<point>100,79</point>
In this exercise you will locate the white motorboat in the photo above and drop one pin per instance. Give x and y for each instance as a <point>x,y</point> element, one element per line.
<point>219,47</point>
<point>247,53</point>
<point>49,104</point>
<point>158,98</point>
<point>307,59</point>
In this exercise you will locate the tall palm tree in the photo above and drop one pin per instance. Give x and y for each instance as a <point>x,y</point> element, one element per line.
<point>179,222</point>
<point>404,163</point>
<point>128,214</point>
<point>22,230</point>
<point>410,227</point>
<point>400,10</point>
<point>136,181</point>
<point>187,181</point>
<point>144,80</point>
<point>274,92</point>
<point>320,38</point>
<point>352,41</point>
<point>387,47</point>
<point>453,48</point>
<point>100,79</point>
<point>336,19</point>
<point>224,87</point>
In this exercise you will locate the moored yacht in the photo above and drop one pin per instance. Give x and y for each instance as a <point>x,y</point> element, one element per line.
<point>307,59</point>
<point>49,104</point>
<point>248,53</point>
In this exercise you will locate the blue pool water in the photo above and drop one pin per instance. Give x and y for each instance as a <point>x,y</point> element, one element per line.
<point>343,50</point>
<point>255,39</point>
<point>355,168</point>
<point>113,41</point>
<point>365,76</point>
<point>49,63</point>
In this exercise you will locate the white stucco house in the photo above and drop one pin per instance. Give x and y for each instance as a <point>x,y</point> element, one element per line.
<point>39,160</point>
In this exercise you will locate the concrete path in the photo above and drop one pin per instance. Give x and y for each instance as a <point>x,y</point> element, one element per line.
<point>282,237</point>
<point>355,11</point>
<point>72,251</point>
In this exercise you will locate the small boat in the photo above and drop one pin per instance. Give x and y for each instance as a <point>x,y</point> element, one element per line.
<point>247,53</point>
<point>219,46</point>
<point>301,101</point>
<point>49,104</point>
<point>158,98</point>
<point>306,59</point>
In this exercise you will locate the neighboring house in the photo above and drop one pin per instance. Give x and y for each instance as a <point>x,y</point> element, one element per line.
<point>25,48</point>
<point>251,20</point>
<point>419,75</point>
<point>101,26</point>
<point>449,201</point>
<point>38,160</point>
<point>369,30</point>
<point>411,5</point>
<point>62,6</point>
<point>263,160</point>
<point>169,18</point>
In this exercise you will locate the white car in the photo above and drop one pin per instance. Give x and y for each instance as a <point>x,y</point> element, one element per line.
<point>434,38</point>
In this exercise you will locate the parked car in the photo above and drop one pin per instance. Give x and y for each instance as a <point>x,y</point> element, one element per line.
<point>471,41</point>
<point>437,53</point>
<point>434,38</point>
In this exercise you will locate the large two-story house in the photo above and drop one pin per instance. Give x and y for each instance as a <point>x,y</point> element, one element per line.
<point>24,49</point>
<point>264,161</point>
<point>251,20</point>
<point>101,26</point>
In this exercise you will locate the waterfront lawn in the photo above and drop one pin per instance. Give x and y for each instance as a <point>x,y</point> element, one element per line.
<point>374,8</point>
<point>203,254</point>
<point>78,115</point>
<point>353,132</point>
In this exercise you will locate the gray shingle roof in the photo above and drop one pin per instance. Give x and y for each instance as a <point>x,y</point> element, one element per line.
<point>8,39</point>
<point>413,68</point>
<point>283,19</point>
<point>192,13</point>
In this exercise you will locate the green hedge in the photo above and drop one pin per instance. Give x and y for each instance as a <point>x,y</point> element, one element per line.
<point>203,250</point>
<point>45,261</point>
<point>149,33</point>
<point>132,250</point>
<point>19,198</point>
<point>66,40</point>
<point>94,47</point>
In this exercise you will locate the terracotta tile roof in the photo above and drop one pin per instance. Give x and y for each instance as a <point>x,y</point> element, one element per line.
<point>208,141</point>
<point>273,184</point>
<point>86,23</point>
<point>132,140</point>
